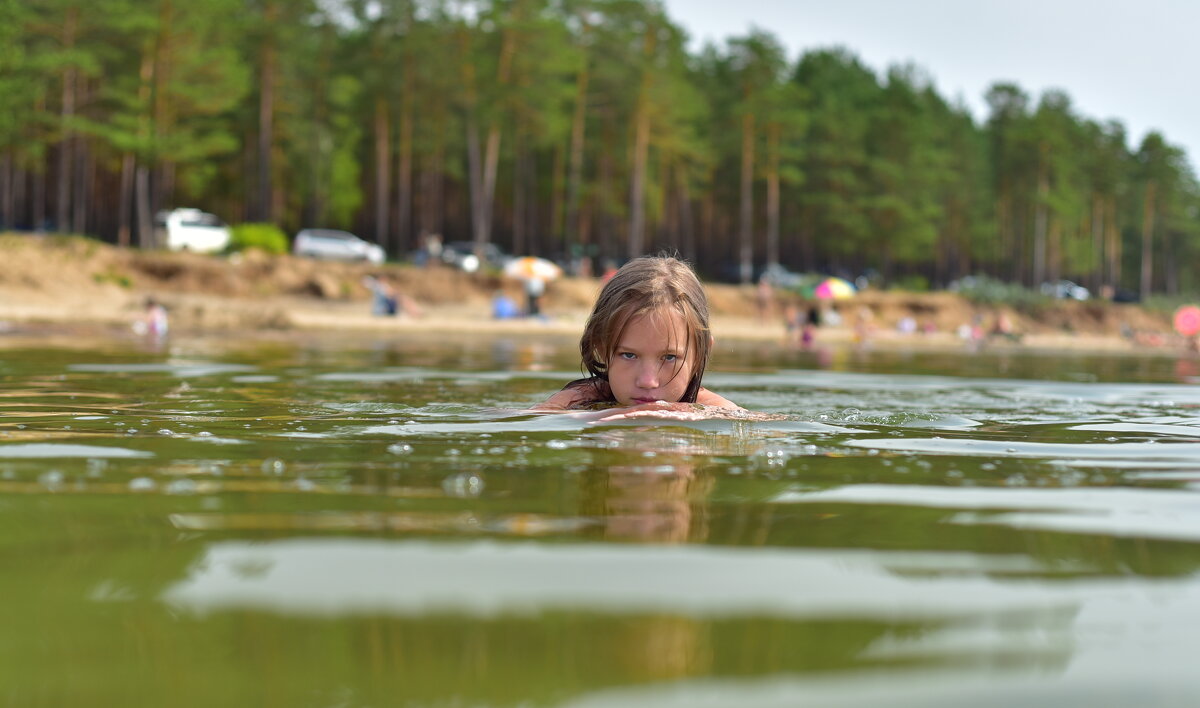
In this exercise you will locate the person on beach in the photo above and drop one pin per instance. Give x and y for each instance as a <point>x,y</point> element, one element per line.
<point>646,344</point>
<point>154,321</point>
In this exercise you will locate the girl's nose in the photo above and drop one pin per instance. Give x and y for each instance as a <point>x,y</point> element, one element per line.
<point>647,377</point>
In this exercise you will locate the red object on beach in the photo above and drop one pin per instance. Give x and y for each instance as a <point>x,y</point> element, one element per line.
<point>833,289</point>
<point>1187,320</point>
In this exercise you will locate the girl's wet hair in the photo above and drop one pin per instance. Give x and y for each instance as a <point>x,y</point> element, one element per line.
<point>646,285</point>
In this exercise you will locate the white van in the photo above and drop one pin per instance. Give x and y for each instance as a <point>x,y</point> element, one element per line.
<point>191,230</point>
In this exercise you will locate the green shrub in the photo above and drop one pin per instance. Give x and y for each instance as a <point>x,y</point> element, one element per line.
<point>264,237</point>
<point>985,290</point>
<point>111,276</point>
<point>914,283</point>
<point>1167,304</point>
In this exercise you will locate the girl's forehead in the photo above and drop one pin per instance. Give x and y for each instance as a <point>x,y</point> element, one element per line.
<point>668,321</point>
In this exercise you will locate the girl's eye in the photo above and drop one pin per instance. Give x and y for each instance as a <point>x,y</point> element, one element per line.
<point>670,357</point>
<point>627,356</point>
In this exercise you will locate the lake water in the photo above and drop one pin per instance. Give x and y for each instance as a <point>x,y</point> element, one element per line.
<point>347,521</point>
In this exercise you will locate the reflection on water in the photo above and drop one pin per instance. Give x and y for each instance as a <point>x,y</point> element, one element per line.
<point>383,523</point>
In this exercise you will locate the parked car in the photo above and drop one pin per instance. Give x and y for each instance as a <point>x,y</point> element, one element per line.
<point>1065,290</point>
<point>336,245</point>
<point>191,230</point>
<point>461,254</point>
<point>781,277</point>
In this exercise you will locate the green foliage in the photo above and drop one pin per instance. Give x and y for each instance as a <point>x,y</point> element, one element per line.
<point>986,290</point>
<point>110,276</point>
<point>1167,304</point>
<point>264,237</point>
<point>913,283</point>
<point>848,167</point>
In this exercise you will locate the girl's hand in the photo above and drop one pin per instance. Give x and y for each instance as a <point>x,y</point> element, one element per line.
<point>663,410</point>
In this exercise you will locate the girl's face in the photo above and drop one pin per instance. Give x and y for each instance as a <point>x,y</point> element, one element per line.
<point>652,361</point>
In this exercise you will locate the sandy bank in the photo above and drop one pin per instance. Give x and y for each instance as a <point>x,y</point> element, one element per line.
<point>64,281</point>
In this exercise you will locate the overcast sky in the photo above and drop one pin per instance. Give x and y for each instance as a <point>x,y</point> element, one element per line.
<point>1134,61</point>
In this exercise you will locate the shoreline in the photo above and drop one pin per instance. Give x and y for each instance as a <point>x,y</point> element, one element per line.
<point>199,316</point>
<point>76,284</point>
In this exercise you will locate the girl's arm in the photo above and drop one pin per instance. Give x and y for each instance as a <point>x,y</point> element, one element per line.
<point>564,400</point>
<point>708,398</point>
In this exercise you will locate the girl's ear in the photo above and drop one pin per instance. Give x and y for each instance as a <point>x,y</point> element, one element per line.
<point>712,341</point>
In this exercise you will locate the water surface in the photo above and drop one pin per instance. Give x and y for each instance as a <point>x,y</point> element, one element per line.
<point>365,521</point>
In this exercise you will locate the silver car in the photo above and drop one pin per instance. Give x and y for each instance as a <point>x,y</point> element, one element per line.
<point>1065,290</point>
<point>336,245</point>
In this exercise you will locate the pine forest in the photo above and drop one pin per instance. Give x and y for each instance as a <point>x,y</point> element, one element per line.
<point>569,128</point>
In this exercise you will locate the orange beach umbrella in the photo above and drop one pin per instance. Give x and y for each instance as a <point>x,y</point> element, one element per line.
<point>532,268</point>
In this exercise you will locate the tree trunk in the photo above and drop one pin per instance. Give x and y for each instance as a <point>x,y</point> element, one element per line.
<point>38,210</point>
<point>67,114</point>
<point>1113,236</point>
<point>1148,240</point>
<point>404,176</point>
<point>425,220</point>
<point>146,236</point>
<point>7,219</point>
<point>125,202</point>
<point>557,180</point>
<point>708,212</point>
<point>605,197</point>
<point>518,200</point>
<point>575,177</point>
<point>475,172</point>
<point>665,230</point>
<point>636,182</point>
<point>1004,231</point>
<point>1053,250</point>
<point>1041,217</point>
<point>475,178</point>
<point>483,233</point>
<point>687,227</point>
<point>19,189</point>
<point>746,220</point>
<point>491,164</point>
<point>83,187</point>
<point>773,198</point>
<point>164,192</point>
<point>37,187</point>
<point>1097,227</point>
<point>383,161</point>
<point>1170,268</point>
<point>437,183</point>
<point>532,225</point>
<point>669,221</point>
<point>641,144</point>
<point>266,117</point>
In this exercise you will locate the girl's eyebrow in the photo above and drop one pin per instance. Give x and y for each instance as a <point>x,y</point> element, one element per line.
<point>670,349</point>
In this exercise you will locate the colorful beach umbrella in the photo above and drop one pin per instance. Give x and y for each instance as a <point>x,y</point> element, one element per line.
<point>833,289</point>
<point>532,268</point>
<point>1187,320</point>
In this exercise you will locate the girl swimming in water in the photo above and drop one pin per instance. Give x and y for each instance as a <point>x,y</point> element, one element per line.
<point>646,343</point>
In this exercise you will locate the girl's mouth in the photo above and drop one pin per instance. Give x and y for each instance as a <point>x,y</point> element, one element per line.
<point>646,400</point>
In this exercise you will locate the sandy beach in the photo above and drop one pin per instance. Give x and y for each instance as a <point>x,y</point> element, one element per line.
<point>64,282</point>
